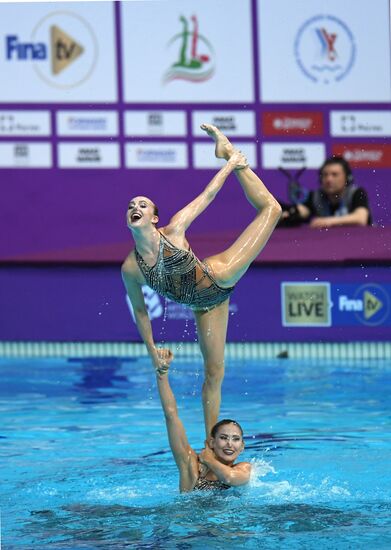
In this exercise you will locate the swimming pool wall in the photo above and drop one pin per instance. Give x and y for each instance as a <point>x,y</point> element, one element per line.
<point>292,304</point>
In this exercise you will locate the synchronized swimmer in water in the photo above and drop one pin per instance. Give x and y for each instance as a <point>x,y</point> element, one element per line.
<point>213,468</point>
<point>163,259</point>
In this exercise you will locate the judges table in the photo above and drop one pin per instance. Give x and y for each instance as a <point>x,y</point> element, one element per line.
<point>306,285</point>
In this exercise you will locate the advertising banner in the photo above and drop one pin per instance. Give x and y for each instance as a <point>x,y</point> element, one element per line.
<point>292,155</point>
<point>155,123</point>
<point>292,123</point>
<point>365,155</point>
<point>88,155</point>
<point>57,52</point>
<point>25,155</point>
<point>25,123</point>
<point>269,304</point>
<point>87,123</point>
<point>231,123</point>
<point>360,123</point>
<point>326,52</point>
<point>186,51</point>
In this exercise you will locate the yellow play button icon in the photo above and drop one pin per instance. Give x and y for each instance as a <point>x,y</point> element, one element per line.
<point>371,304</point>
<point>65,50</point>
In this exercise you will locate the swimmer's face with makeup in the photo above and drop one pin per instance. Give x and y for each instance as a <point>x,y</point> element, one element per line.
<point>228,443</point>
<point>141,212</point>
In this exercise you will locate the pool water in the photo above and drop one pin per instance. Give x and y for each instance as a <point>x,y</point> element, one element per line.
<point>86,463</point>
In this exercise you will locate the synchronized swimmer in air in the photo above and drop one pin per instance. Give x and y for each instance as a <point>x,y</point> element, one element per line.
<point>163,260</point>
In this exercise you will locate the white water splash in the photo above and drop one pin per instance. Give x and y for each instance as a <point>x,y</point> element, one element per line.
<point>259,468</point>
<point>285,490</point>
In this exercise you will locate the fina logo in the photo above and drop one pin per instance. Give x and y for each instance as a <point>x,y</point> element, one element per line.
<point>61,58</point>
<point>325,49</point>
<point>370,304</point>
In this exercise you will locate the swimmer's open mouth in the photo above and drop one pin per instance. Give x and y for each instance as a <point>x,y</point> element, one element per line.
<point>228,451</point>
<point>135,216</point>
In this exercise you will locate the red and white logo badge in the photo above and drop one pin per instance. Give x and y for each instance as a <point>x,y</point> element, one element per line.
<point>365,155</point>
<point>294,123</point>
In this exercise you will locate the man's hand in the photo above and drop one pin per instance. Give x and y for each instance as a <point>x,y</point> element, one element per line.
<point>320,223</point>
<point>163,361</point>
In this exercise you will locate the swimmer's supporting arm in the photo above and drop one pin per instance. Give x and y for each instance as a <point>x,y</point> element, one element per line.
<point>182,219</point>
<point>184,455</point>
<point>235,476</point>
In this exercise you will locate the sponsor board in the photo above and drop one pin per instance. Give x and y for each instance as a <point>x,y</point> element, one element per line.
<point>335,58</point>
<point>309,304</point>
<point>368,304</point>
<point>156,155</point>
<point>365,155</point>
<point>25,123</point>
<point>231,123</point>
<point>185,51</point>
<point>88,155</point>
<point>204,155</point>
<point>155,123</point>
<point>293,123</point>
<point>64,52</point>
<point>306,304</point>
<point>25,155</point>
<point>293,155</point>
<point>87,123</point>
<point>360,123</point>
<point>320,53</point>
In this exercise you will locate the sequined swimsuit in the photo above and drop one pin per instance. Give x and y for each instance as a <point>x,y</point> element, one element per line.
<point>203,484</point>
<point>180,276</point>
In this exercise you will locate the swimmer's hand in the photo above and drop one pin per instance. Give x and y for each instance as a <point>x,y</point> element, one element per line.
<point>237,160</point>
<point>163,361</point>
<point>206,455</point>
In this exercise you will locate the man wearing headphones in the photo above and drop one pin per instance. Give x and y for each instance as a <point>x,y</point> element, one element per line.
<point>337,202</point>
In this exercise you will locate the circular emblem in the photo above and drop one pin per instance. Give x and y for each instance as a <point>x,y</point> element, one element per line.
<point>72,49</point>
<point>325,49</point>
<point>376,304</point>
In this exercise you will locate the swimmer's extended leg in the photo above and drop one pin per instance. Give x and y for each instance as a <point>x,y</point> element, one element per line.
<point>254,189</point>
<point>212,331</point>
<point>230,265</point>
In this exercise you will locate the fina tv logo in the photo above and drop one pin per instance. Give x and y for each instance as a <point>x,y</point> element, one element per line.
<point>325,49</point>
<point>61,58</point>
<point>194,55</point>
<point>370,304</point>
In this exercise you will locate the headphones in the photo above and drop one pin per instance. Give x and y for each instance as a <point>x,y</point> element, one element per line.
<point>342,162</point>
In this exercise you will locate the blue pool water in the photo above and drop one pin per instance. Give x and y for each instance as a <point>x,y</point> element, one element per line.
<point>86,464</point>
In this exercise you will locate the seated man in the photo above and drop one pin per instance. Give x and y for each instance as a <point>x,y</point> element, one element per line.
<point>337,202</point>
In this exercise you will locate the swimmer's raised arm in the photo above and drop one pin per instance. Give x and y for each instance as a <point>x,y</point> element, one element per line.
<point>185,457</point>
<point>182,219</point>
<point>133,288</point>
<point>236,475</point>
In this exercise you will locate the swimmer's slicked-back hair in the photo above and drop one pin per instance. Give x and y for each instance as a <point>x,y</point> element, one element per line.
<point>223,422</point>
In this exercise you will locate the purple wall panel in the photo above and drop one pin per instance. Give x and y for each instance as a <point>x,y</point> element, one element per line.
<point>42,212</point>
<point>64,210</point>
